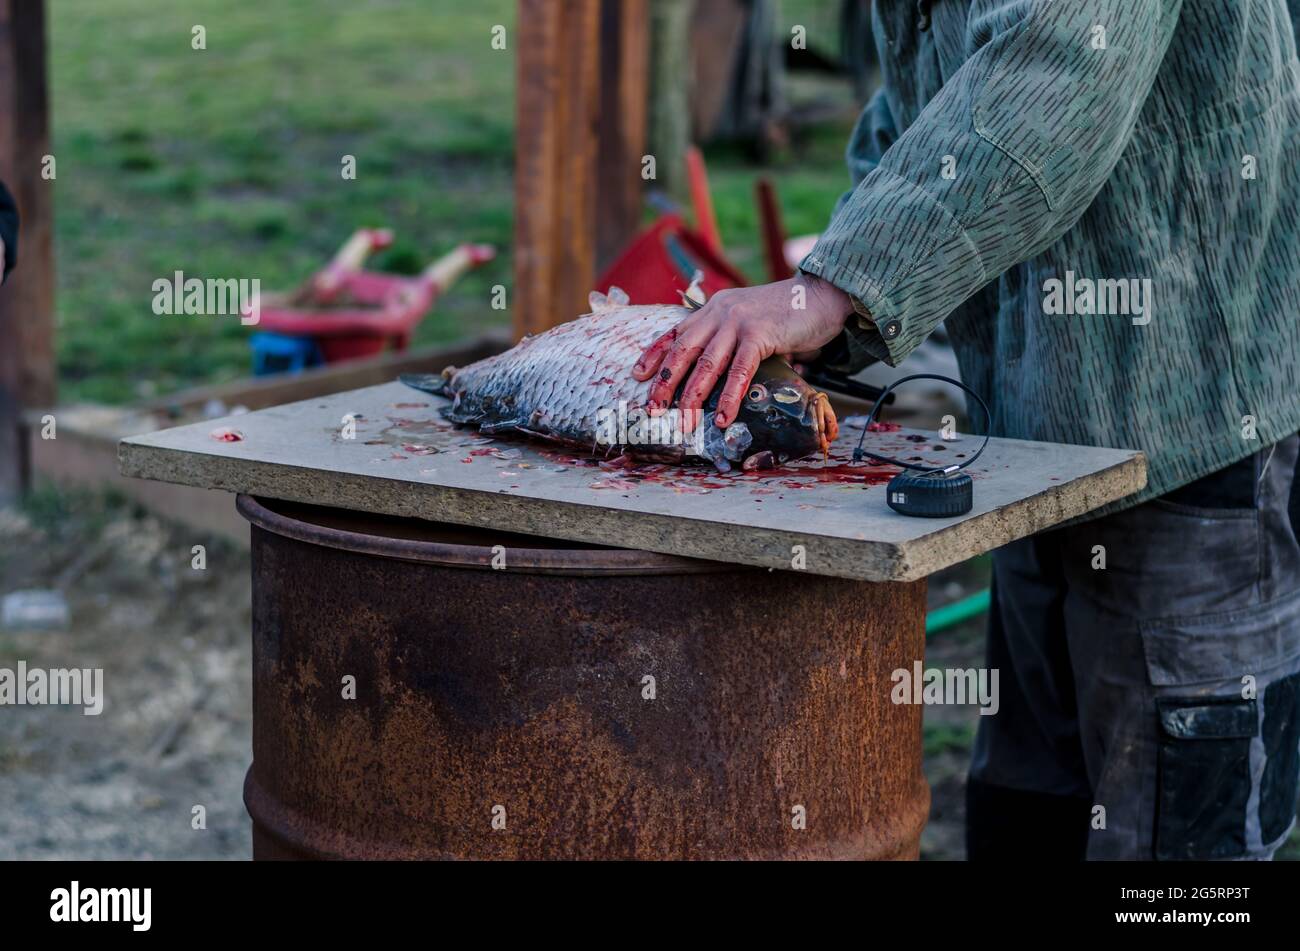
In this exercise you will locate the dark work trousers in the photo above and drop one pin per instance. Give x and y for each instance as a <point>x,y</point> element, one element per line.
<point>1149,666</point>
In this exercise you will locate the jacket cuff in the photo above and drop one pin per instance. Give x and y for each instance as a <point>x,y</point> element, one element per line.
<point>903,257</point>
<point>862,341</point>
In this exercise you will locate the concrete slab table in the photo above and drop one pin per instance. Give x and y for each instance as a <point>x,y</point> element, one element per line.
<point>489,648</point>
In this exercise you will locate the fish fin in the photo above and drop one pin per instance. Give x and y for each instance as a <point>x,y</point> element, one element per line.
<point>435,383</point>
<point>693,298</point>
<point>460,414</point>
<point>548,437</point>
<point>614,299</point>
<point>501,426</point>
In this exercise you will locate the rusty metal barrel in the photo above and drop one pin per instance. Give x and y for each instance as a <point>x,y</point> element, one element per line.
<point>426,691</point>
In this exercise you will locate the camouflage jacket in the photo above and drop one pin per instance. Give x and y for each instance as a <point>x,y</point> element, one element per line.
<point>1103,199</point>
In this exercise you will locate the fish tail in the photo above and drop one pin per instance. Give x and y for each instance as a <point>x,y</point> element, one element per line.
<point>435,383</point>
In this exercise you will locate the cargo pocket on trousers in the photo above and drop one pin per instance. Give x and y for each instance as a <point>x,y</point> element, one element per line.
<point>1208,721</point>
<point>1280,784</point>
<point>1203,783</point>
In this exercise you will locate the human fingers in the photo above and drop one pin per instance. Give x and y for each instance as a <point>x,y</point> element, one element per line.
<point>709,367</point>
<point>749,354</point>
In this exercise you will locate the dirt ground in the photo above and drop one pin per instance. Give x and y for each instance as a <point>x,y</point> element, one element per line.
<point>950,730</point>
<point>175,731</point>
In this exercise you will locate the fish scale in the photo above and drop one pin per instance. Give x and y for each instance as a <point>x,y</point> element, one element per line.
<point>557,383</point>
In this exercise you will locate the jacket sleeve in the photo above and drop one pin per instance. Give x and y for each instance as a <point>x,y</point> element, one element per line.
<point>8,230</point>
<point>873,134</point>
<point>1002,162</point>
<point>872,137</point>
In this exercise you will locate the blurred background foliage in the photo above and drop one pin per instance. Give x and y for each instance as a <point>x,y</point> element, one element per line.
<point>225,162</point>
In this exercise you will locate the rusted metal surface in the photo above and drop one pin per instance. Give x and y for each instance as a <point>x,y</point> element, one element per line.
<point>520,694</point>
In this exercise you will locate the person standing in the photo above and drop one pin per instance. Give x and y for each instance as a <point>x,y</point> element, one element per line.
<point>1102,199</point>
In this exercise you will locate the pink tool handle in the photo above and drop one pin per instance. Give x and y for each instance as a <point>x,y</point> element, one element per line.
<point>702,200</point>
<point>443,272</point>
<point>769,217</point>
<point>349,258</point>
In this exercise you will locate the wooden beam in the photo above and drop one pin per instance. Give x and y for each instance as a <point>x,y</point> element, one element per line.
<point>624,108</point>
<point>557,98</point>
<point>579,138</point>
<point>671,82</point>
<point>714,35</point>
<point>27,368</point>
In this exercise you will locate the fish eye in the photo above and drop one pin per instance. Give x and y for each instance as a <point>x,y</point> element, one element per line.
<point>757,393</point>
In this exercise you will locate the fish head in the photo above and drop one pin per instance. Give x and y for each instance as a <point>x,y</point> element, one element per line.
<point>777,421</point>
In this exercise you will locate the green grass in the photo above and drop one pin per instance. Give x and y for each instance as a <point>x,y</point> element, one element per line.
<point>225,162</point>
<point>948,738</point>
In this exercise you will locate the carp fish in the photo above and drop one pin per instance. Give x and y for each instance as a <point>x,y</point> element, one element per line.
<point>572,385</point>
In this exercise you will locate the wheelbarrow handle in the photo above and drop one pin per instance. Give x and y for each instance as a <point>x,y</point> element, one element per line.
<point>443,272</point>
<point>348,259</point>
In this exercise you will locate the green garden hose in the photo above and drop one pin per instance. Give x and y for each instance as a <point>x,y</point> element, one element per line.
<point>952,614</point>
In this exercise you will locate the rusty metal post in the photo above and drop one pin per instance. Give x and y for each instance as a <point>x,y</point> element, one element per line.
<point>578,703</point>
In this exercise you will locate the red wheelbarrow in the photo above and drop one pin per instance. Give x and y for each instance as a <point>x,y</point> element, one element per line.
<point>344,312</point>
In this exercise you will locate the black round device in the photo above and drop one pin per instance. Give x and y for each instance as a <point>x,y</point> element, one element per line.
<point>926,491</point>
